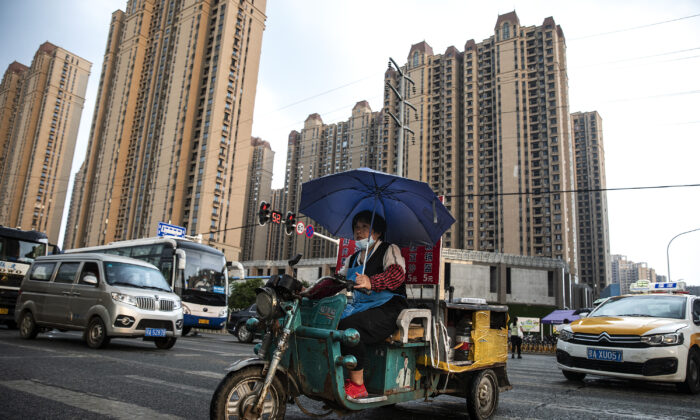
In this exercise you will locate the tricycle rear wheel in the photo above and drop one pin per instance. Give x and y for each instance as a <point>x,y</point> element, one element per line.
<point>238,391</point>
<point>482,395</point>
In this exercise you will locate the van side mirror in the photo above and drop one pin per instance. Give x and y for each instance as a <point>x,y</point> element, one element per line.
<point>696,318</point>
<point>90,279</point>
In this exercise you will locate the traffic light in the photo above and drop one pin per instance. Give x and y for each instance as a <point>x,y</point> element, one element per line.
<point>290,223</point>
<point>264,213</point>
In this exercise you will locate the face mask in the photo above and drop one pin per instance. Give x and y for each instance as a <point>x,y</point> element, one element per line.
<point>364,243</point>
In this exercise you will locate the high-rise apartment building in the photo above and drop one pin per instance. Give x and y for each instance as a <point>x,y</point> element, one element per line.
<point>592,207</point>
<point>322,149</point>
<point>170,138</point>
<point>259,189</point>
<point>492,134</point>
<point>626,272</point>
<point>40,110</point>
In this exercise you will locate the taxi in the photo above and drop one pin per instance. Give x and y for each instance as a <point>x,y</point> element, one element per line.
<point>652,335</point>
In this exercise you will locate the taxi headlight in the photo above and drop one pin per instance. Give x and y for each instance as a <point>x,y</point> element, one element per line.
<point>566,335</point>
<point>267,303</point>
<point>672,339</point>
<point>129,300</point>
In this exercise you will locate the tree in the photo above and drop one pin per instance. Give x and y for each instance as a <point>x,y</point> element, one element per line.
<point>243,293</point>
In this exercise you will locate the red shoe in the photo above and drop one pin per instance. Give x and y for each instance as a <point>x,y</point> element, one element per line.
<point>354,391</point>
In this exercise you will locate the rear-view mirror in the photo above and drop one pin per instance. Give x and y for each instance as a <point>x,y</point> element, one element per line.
<point>90,279</point>
<point>181,259</point>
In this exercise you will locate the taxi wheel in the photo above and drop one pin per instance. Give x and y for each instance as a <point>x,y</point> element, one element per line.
<point>482,395</point>
<point>27,326</point>
<point>165,343</point>
<point>573,376</point>
<point>692,373</point>
<point>96,333</point>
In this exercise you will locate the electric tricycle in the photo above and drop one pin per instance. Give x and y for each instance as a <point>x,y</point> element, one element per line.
<point>439,347</point>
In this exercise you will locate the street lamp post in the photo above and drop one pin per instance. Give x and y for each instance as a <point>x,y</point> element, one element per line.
<point>668,261</point>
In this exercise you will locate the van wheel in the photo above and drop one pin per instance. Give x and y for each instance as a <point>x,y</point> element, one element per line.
<point>165,343</point>
<point>573,376</point>
<point>186,330</point>
<point>482,395</point>
<point>692,374</point>
<point>96,334</point>
<point>27,326</point>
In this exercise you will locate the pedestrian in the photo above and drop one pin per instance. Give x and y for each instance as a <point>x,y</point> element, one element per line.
<point>516,337</point>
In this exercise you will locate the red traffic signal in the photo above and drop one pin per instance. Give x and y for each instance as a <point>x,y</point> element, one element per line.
<point>264,213</point>
<point>290,223</point>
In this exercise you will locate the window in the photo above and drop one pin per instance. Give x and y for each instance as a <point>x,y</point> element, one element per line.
<point>66,272</point>
<point>493,280</point>
<point>416,58</point>
<point>550,283</point>
<point>508,280</point>
<point>42,271</point>
<point>506,31</point>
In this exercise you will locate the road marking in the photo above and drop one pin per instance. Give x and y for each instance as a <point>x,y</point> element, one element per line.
<point>87,402</point>
<point>172,385</point>
<point>206,374</point>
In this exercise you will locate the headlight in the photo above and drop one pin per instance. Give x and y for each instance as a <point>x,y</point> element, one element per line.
<point>671,339</point>
<point>185,309</point>
<point>222,313</point>
<point>129,300</point>
<point>566,335</point>
<point>266,301</point>
<point>177,304</point>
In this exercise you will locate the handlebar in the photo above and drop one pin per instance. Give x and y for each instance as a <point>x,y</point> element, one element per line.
<point>350,285</point>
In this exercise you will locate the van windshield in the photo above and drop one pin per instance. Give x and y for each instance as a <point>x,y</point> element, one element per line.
<point>135,275</point>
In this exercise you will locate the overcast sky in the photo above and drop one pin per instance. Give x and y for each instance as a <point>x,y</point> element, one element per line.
<point>323,56</point>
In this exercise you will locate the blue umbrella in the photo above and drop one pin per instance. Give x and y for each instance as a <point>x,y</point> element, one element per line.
<point>413,213</point>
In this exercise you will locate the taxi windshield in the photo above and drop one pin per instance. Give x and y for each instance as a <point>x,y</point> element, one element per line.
<point>656,306</point>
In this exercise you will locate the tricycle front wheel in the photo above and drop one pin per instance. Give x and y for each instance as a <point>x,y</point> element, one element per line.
<point>482,395</point>
<point>238,391</point>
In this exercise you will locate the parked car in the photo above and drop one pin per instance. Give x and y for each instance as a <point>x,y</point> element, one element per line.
<point>236,324</point>
<point>103,296</point>
<point>652,337</point>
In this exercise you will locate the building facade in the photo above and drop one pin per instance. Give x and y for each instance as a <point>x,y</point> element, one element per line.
<point>40,110</point>
<point>323,149</point>
<point>625,272</point>
<point>170,138</point>
<point>255,237</point>
<point>488,128</point>
<point>592,202</point>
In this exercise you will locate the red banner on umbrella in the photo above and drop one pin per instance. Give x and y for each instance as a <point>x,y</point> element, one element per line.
<point>422,262</point>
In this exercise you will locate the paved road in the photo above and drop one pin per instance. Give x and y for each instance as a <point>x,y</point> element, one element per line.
<point>57,376</point>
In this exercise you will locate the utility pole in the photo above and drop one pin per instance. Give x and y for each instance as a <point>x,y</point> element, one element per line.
<point>401,120</point>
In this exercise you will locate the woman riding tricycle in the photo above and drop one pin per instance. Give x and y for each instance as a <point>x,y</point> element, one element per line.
<point>379,349</point>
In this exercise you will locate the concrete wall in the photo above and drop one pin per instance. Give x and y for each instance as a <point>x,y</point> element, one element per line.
<point>529,286</point>
<point>471,280</point>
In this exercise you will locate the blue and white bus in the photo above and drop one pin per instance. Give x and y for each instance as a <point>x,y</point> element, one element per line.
<point>197,273</point>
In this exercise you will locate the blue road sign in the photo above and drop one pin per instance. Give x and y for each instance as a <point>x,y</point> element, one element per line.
<point>165,229</point>
<point>309,231</point>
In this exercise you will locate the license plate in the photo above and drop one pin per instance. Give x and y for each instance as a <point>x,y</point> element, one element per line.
<point>203,321</point>
<point>155,332</point>
<point>4,311</point>
<point>604,354</point>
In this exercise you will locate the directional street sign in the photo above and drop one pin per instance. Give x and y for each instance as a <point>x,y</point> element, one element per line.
<point>165,229</point>
<point>300,228</point>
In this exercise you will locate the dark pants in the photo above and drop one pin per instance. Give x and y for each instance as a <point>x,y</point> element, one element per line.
<point>374,326</point>
<point>516,341</point>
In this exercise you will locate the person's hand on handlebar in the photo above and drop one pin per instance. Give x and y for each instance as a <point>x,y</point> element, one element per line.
<point>362,282</point>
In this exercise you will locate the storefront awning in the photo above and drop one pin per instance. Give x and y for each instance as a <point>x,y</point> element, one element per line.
<point>560,316</point>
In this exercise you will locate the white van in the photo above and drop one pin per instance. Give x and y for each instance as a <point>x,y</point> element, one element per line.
<point>102,295</point>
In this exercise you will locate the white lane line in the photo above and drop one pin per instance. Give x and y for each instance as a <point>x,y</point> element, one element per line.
<point>97,355</point>
<point>171,385</point>
<point>87,402</point>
